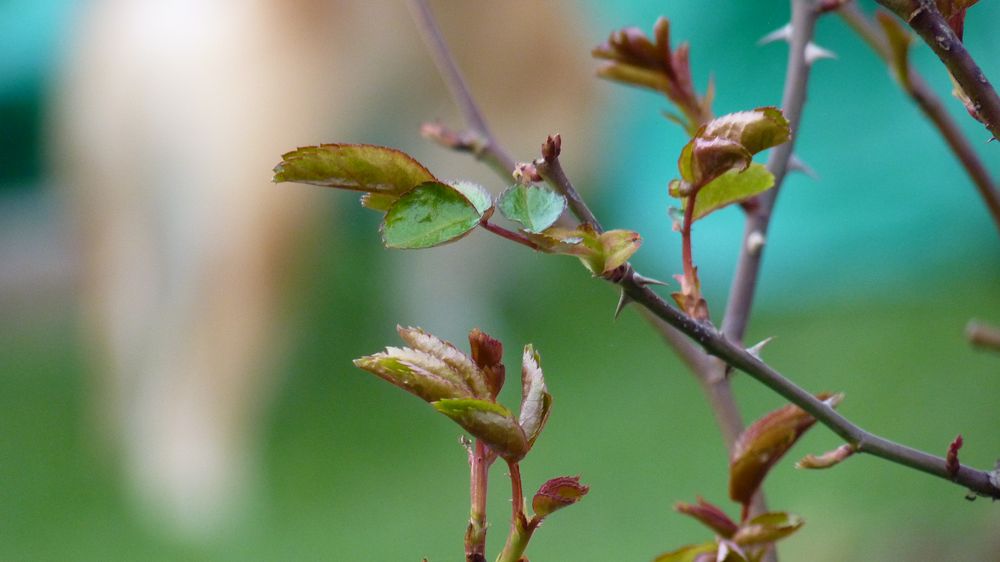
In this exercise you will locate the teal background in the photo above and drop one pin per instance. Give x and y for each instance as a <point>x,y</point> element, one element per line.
<point>870,275</point>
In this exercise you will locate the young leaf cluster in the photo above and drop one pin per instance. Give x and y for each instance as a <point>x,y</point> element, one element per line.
<point>465,389</point>
<point>755,452</point>
<point>422,211</point>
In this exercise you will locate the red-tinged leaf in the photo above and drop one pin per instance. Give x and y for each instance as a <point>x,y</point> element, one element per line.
<point>417,373</point>
<point>709,515</point>
<point>633,76</point>
<point>755,130</point>
<point>690,553</point>
<point>383,173</point>
<point>768,527</point>
<point>638,61</point>
<point>704,159</point>
<point>457,361</point>
<point>899,46</point>
<point>536,402</point>
<point>599,253</point>
<point>489,422</point>
<point>762,444</point>
<point>556,494</point>
<point>487,353</point>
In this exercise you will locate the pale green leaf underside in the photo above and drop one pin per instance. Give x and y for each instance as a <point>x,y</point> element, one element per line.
<point>476,194</point>
<point>535,207</point>
<point>731,187</point>
<point>428,215</point>
<point>488,421</point>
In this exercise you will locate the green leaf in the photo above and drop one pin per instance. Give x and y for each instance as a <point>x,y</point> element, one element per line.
<point>618,246</point>
<point>768,527</point>
<point>489,422</point>
<point>688,553</point>
<point>429,215</point>
<point>535,207</point>
<point>458,362</point>
<point>731,187</point>
<point>383,173</point>
<point>476,194</point>
<point>536,402</point>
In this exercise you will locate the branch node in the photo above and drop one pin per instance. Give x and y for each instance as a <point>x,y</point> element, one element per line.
<point>755,242</point>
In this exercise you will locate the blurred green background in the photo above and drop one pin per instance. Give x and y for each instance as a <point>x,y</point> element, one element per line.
<point>870,275</point>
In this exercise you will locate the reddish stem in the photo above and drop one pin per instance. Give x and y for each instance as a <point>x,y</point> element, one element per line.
<point>480,460</point>
<point>510,235</point>
<point>516,493</point>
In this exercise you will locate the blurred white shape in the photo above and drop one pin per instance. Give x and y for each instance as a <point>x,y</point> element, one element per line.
<point>169,117</point>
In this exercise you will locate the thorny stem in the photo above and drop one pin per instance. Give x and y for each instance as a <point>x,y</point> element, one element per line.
<point>480,460</point>
<point>931,105</point>
<point>737,315</point>
<point>716,344</point>
<point>456,83</point>
<point>923,16</point>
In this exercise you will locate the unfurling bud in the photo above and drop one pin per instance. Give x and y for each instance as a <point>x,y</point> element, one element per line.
<point>709,515</point>
<point>951,462</point>
<point>826,460</point>
<point>557,494</point>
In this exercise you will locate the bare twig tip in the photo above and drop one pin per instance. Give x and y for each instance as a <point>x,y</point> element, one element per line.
<point>552,147</point>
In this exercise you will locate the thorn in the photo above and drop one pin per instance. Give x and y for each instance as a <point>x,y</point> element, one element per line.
<point>755,241</point>
<point>814,52</point>
<point>783,33</point>
<point>643,280</point>
<point>796,164</point>
<point>756,349</point>
<point>623,301</point>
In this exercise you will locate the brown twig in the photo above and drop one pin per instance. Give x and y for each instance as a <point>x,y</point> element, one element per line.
<point>925,18</point>
<point>929,103</point>
<point>983,335</point>
<point>719,346</point>
<point>456,83</point>
<point>551,170</point>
